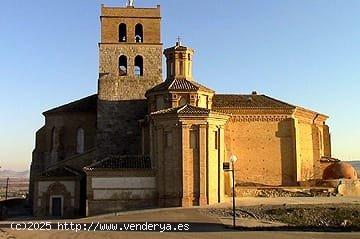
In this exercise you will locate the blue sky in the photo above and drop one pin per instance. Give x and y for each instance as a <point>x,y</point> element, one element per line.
<point>304,52</point>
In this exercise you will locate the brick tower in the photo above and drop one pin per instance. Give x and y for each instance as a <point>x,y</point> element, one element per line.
<point>130,63</point>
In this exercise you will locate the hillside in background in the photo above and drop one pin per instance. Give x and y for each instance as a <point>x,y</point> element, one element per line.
<point>18,183</point>
<point>356,165</point>
<point>14,174</point>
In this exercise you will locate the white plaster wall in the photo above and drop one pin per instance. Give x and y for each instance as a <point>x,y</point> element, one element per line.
<point>120,194</point>
<point>124,183</point>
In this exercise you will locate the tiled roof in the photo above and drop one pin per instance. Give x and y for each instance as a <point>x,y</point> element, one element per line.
<point>186,109</point>
<point>177,47</point>
<point>64,171</point>
<point>180,85</point>
<point>123,162</point>
<point>87,104</point>
<point>248,101</point>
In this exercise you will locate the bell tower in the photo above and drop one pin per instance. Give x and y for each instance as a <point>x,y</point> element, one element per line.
<point>130,63</point>
<point>130,52</point>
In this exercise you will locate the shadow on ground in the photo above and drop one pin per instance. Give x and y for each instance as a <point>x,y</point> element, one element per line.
<point>300,229</point>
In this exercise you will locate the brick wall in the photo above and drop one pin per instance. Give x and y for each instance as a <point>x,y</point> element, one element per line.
<point>264,145</point>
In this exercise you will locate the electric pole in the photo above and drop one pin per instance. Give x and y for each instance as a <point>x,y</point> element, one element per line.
<point>7,188</point>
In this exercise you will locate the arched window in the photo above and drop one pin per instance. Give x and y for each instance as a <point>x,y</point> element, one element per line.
<point>80,140</point>
<point>53,138</point>
<point>139,38</point>
<point>122,32</point>
<point>122,65</point>
<point>139,66</point>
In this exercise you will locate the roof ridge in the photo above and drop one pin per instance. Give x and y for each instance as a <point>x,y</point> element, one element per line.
<point>181,108</point>
<point>172,83</point>
<point>248,101</point>
<point>70,103</point>
<point>280,101</point>
<point>96,163</point>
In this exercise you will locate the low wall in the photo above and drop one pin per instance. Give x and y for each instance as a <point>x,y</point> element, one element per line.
<point>284,191</point>
<point>348,187</point>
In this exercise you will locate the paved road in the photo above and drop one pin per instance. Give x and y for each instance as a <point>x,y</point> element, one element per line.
<point>205,226</point>
<point>149,235</point>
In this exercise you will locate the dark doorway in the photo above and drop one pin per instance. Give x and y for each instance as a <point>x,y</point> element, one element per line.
<point>56,207</point>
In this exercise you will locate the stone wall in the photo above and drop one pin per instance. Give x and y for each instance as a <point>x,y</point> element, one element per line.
<point>119,131</point>
<point>114,87</point>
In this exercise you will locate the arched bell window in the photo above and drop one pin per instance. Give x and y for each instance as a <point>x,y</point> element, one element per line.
<point>122,65</point>
<point>139,66</point>
<point>139,36</point>
<point>122,32</point>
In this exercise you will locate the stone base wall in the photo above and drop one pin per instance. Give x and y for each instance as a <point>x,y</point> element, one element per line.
<point>114,190</point>
<point>112,86</point>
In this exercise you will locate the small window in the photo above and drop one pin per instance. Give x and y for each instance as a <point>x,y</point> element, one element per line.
<point>122,65</point>
<point>139,33</point>
<point>122,32</point>
<point>216,140</point>
<point>80,140</point>
<point>193,139</point>
<point>53,138</point>
<point>182,68</point>
<point>168,139</point>
<point>172,69</point>
<point>139,66</point>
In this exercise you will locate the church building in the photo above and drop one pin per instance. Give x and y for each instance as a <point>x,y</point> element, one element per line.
<point>143,141</point>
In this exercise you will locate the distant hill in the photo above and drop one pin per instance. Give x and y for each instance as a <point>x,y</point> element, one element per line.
<point>356,165</point>
<point>14,174</point>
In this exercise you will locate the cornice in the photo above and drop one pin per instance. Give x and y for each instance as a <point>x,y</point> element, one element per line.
<point>260,118</point>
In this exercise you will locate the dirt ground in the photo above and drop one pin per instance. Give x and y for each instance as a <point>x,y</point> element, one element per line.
<point>307,216</point>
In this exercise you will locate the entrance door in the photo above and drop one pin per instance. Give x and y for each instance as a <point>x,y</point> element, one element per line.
<point>56,207</point>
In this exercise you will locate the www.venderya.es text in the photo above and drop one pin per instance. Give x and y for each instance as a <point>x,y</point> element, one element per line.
<point>97,226</point>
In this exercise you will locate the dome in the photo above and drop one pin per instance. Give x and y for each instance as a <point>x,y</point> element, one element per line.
<point>340,170</point>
